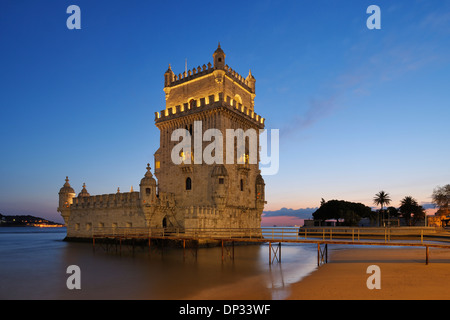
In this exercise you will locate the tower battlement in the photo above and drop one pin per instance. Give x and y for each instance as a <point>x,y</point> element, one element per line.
<point>174,80</point>
<point>206,103</point>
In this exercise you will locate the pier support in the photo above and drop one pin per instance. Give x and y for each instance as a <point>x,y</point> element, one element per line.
<point>227,251</point>
<point>322,254</point>
<point>276,252</point>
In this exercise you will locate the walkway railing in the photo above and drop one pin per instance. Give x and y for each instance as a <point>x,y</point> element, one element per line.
<point>284,234</point>
<point>321,236</point>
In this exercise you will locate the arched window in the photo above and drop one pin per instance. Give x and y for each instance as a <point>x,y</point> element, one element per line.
<point>188,184</point>
<point>242,184</point>
<point>147,191</point>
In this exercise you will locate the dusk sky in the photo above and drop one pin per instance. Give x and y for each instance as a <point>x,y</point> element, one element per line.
<point>358,110</point>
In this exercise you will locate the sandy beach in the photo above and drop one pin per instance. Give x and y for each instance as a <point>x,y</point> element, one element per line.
<point>404,275</point>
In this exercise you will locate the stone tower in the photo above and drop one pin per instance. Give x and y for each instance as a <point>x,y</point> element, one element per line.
<point>213,181</point>
<point>222,193</point>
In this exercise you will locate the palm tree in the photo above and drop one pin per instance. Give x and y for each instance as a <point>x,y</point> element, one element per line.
<point>410,207</point>
<point>382,198</point>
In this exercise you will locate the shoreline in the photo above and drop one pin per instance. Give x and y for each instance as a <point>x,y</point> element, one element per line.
<point>403,275</point>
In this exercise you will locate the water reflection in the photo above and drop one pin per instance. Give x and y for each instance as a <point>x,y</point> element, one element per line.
<point>33,266</point>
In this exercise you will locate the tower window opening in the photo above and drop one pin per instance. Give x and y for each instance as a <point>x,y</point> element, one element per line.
<point>147,191</point>
<point>221,180</point>
<point>188,184</point>
<point>242,184</point>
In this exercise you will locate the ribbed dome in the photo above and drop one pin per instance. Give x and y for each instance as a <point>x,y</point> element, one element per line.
<point>66,188</point>
<point>84,192</point>
<point>219,170</point>
<point>148,177</point>
<point>219,49</point>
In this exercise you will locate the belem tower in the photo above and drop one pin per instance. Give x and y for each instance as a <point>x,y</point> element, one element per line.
<point>185,195</point>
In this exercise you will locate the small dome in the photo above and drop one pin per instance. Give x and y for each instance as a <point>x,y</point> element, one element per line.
<point>169,70</point>
<point>250,76</point>
<point>67,188</point>
<point>219,49</point>
<point>148,177</point>
<point>219,170</point>
<point>84,192</point>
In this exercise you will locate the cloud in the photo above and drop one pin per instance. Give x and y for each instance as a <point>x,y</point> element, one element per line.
<point>316,111</point>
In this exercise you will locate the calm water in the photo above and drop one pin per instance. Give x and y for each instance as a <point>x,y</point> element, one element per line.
<point>33,264</point>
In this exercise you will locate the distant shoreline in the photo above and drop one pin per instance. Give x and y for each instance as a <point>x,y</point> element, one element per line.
<point>27,221</point>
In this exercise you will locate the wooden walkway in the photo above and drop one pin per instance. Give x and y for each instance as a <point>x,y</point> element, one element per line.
<point>274,237</point>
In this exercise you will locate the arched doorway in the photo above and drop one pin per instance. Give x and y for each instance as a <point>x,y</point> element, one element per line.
<point>164,222</point>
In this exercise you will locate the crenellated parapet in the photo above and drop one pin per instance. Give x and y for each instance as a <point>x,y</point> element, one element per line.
<point>207,103</point>
<point>116,200</point>
<point>171,79</point>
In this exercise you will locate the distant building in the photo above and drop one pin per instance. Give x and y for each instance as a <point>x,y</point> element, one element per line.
<point>185,195</point>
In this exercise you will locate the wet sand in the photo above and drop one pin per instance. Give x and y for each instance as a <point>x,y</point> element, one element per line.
<point>404,275</point>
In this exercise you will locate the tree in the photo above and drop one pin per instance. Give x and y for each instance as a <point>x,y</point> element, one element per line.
<point>441,198</point>
<point>409,207</point>
<point>382,198</point>
<point>350,212</point>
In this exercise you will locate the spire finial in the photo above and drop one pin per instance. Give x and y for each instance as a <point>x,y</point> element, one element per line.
<point>219,45</point>
<point>84,185</point>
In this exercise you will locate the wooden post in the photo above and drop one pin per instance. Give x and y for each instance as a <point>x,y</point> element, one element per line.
<point>279,251</point>
<point>184,249</point>
<point>222,250</point>
<point>318,254</point>
<point>270,252</point>
<point>232,243</point>
<point>427,253</point>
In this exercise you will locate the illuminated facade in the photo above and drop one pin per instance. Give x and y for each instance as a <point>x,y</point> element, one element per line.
<point>189,194</point>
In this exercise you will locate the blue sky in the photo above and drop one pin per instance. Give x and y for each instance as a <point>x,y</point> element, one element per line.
<point>358,110</point>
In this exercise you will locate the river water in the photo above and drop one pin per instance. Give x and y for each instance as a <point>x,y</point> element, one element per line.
<point>34,262</point>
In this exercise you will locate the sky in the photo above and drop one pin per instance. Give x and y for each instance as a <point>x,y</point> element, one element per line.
<point>358,110</point>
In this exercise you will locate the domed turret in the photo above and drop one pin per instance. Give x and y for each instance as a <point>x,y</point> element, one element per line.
<point>66,195</point>
<point>251,81</point>
<point>148,187</point>
<point>219,58</point>
<point>260,190</point>
<point>168,77</point>
<point>84,192</point>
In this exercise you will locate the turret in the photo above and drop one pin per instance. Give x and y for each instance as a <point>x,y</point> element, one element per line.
<point>84,192</point>
<point>219,58</point>
<point>251,81</point>
<point>169,77</point>
<point>148,188</point>
<point>66,195</point>
<point>260,190</point>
